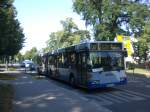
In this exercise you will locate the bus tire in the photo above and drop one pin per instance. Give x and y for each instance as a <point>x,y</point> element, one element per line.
<point>72,81</point>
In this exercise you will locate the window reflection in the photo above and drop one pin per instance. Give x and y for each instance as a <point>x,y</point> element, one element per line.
<point>106,60</point>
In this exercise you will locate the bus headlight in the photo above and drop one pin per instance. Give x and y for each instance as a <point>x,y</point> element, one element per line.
<point>95,82</point>
<point>122,78</point>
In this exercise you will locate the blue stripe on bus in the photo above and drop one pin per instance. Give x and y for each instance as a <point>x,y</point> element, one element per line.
<point>90,85</point>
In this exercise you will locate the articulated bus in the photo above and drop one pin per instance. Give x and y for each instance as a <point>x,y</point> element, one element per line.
<point>89,65</point>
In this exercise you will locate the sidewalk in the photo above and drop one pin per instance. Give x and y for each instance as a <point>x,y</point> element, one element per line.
<point>32,95</point>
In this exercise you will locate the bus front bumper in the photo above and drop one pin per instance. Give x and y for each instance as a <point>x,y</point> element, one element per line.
<point>94,85</point>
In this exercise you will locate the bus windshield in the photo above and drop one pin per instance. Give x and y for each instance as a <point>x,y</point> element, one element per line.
<point>105,61</point>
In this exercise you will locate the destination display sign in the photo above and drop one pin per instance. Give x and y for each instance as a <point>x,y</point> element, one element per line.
<point>106,46</point>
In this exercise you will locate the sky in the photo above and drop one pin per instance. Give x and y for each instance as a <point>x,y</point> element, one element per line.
<point>39,18</point>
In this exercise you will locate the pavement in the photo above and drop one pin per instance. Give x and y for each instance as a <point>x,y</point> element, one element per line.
<point>42,95</point>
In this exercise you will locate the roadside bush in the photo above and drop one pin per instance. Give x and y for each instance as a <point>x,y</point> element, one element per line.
<point>147,65</point>
<point>130,66</point>
<point>6,98</point>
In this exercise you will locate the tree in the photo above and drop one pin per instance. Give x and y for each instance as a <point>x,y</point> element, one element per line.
<point>69,35</point>
<point>54,40</point>
<point>19,57</point>
<point>111,17</point>
<point>31,53</point>
<point>11,34</point>
<point>143,45</point>
<point>34,55</point>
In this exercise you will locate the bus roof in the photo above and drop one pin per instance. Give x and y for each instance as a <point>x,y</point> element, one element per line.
<point>84,46</point>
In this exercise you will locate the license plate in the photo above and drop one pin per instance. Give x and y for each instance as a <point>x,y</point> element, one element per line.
<point>110,85</point>
<point>108,74</point>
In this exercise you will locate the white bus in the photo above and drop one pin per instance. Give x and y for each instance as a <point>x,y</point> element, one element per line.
<point>90,65</point>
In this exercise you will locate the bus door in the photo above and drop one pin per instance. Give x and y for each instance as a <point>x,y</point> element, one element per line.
<point>81,67</point>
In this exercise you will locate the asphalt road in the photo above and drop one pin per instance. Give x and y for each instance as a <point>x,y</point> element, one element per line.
<point>133,97</point>
<point>38,94</point>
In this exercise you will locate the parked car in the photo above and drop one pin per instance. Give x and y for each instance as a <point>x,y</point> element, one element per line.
<point>28,65</point>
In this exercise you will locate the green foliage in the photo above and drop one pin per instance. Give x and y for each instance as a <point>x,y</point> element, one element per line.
<point>69,35</point>
<point>143,45</point>
<point>146,34</point>
<point>54,40</point>
<point>142,50</point>
<point>30,54</point>
<point>131,66</point>
<point>37,59</point>
<point>19,57</point>
<point>109,16</point>
<point>11,34</point>
<point>69,25</point>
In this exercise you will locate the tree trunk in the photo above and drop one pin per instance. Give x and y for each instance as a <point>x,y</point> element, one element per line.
<point>6,62</point>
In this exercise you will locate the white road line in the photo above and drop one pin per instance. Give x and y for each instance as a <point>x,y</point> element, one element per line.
<point>117,97</point>
<point>100,100</point>
<point>137,93</point>
<point>129,96</point>
<point>110,98</point>
<point>147,86</point>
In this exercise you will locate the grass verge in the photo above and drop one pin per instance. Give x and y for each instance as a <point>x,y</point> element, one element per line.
<point>6,96</point>
<point>5,76</point>
<point>11,69</point>
<point>38,77</point>
<point>139,71</point>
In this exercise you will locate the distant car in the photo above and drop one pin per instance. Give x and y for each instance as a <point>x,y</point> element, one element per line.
<point>22,65</point>
<point>29,65</point>
<point>32,67</point>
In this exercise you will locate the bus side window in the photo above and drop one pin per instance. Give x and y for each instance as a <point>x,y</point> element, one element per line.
<point>63,60</point>
<point>72,60</point>
<point>55,61</point>
<point>60,60</point>
<point>84,63</point>
<point>65,64</point>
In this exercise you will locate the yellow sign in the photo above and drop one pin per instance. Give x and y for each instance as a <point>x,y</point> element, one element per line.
<point>120,38</point>
<point>127,43</point>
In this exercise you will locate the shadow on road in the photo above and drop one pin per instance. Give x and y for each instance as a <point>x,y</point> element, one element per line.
<point>32,95</point>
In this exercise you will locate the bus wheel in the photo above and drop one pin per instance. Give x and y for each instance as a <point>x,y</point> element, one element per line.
<point>72,81</point>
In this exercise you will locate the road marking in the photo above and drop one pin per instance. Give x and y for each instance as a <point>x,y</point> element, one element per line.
<point>137,93</point>
<point>117,97</point>
<point>129,96</point>
<point>147,86</point>
<point>121,96</point>
<point>101,101</point>
<point>110,98</point>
